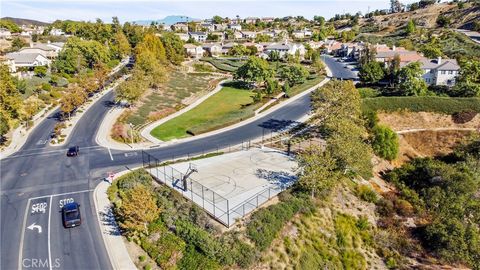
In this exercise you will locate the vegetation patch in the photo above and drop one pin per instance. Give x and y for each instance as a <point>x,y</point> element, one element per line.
<point>446,105</point>
<point>230,105</point>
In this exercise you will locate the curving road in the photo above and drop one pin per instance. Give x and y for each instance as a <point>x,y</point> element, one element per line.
<point>39,178</point>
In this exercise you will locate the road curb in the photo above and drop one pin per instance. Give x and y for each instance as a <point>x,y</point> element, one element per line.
<point>116,249</point>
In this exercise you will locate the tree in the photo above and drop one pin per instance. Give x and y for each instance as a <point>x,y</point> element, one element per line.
<point>138,209</point>
<point>40,71</point>
<point>122,44</point>
<point>393,67</point>
<point>443,21</point>
<point>18,43</point>
<point>319,174</point>
<point>173,47</point>
<point>274,56</point>
<point>271,86</point>
<point>411,28</point>
<point>293,74</point>
<point>320,20</point>
<point>395,6</point>
<point>411,81</point>
<point>468,82</point>
<point>432,49</point>
<point>10,25</point>
<point>385,142</point>
<point>255,70</point>
<point>4,125</point>
<point>337,106</point>
<point>371,72</point>
<point>262,38</point>
<point>238,50</point>
<point>10,100</point>
<point>368,55</point>
<point>217,19</point>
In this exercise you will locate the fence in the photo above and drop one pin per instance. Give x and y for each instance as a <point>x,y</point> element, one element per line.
<point>219,207</point>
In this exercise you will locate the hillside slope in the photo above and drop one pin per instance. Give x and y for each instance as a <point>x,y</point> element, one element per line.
<point>20,21</point>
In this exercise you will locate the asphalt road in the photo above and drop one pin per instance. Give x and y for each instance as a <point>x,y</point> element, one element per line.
<point>40,174</point>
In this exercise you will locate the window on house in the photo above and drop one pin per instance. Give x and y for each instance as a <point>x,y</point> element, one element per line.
<point>443,72</point>
<point>450,72</point>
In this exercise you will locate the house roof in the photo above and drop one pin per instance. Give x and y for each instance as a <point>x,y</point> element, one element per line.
<point>21,58</point>
<point>197,33</point>
<point>210,45</point>
<point>445,64</point>
<point>190,46</point>
<point>278,46</point>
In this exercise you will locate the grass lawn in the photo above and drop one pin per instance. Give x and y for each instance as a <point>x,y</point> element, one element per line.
<point>168,99</point>
<point>297,89</point>
<point>228,106</point>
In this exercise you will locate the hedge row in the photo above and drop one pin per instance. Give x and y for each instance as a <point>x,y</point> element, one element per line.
<point>446,105</point>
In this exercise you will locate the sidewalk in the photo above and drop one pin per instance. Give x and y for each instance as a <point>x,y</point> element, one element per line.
<point>20,134</point>
<point>116,249</point>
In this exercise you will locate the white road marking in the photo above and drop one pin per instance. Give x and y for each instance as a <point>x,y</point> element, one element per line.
<point>49,252</point>
<point>20,252</point>
<point>110,152</point>
<point>131,154</point>
<point>34,226</point>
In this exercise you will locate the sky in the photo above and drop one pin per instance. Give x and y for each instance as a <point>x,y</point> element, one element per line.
<point>89,10</point>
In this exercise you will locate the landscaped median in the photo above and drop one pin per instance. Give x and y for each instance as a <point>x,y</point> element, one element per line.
<point>230,105</point>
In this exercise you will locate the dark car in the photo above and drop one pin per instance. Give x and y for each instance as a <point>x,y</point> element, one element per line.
<point>73,151</point>
<point>71,215</point>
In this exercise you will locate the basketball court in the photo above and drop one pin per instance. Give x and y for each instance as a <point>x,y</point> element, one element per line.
<point>232,185</point>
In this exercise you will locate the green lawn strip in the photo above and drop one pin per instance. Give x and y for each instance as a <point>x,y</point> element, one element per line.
<point>228,106</point>
<point>297,89</point>
<point>446,105</point>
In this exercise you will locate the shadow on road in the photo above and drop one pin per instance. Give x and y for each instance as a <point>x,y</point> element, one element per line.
<point>278,125</point>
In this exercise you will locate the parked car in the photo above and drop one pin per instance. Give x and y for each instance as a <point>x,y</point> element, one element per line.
<point>73,151</point>
<point>71,215</point>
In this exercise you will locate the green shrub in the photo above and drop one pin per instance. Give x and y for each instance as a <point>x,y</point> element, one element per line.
<point>137,177</point>
<point>385,142</point>
<point>192,259</point>
<point>367,194</point>
<point>142,258</point>
<point>147,267</point>
<point>266,223</point>
<point>367,92</point>
<point>446,105</point>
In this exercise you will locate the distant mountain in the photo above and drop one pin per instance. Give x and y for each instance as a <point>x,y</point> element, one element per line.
<point>169,20</point>
<point>20,21</point>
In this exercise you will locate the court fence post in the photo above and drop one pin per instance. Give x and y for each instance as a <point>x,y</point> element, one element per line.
<point>213,203</point>
<point>228,214</point>
<point>203,198</point>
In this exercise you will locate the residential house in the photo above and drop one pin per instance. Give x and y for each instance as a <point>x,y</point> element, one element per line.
<point>248,34</point>
<point>259,47</point>
<point>235,27</point>
<point>56,32</point>
<point>250,20</point>
<point>332,46</point>
<point>300,34</point>
<point>209,27</point>
<point>271,34</point>
<point>198,36</point>
<point>43,48</point>
<point>268,19</point>
<point>286,48</point>
<point>28,60</point>
<point>220,35</point>
<point>440,71</point>
<point>237,35</point>
<point>351,50</point>
<point>192,50</point>
<point>226,47</point>
<point>385,55</point>
<point>213,49</point>
<point>57,46</point>
<point>183,36</point>
<point>219,27</point>
<point>5,33</point>
<point>180,27</point>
